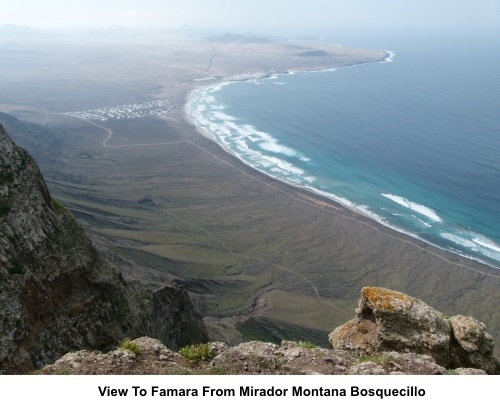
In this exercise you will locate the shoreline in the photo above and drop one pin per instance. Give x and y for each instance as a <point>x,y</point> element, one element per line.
<point>370,219</point>
<point>259,257</point>
<point>317,201</point>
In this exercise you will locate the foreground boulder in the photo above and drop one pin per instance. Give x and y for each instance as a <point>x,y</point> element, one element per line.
<point>471,346</point>
<point>391,321</point>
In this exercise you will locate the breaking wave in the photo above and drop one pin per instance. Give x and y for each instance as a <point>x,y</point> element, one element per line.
<point>298,165</point>
<point>421,209</point>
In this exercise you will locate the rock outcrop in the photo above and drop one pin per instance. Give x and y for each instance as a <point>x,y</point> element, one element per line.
<point>393,334</point>
<point>57,294</point>
<point>293,358</point>
<point>289,358</point>
<point>391,321</point>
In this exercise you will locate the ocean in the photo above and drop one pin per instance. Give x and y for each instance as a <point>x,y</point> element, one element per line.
<point>413,142</point>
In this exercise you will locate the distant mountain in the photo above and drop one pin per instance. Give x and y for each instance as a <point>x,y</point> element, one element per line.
<point>240,39</point>
<point>314,53</point>
<point>10,30</point>
<point>115,31</point>
<point>123,32</point>
<point>195,32</point>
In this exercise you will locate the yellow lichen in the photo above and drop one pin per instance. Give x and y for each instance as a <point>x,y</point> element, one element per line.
<point>384,299</point>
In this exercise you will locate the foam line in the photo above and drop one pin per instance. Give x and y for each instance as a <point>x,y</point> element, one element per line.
<point>421,209</point>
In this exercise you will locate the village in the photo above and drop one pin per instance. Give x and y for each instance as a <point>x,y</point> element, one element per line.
<point>127,111</point>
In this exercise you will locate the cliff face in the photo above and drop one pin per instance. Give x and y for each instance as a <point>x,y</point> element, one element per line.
<point>56,293</point>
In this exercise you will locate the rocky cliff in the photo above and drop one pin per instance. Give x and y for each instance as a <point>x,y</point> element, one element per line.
<point>57,294</point>
<point>392,333</point>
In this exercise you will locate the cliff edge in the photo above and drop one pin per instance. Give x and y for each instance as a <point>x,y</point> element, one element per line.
<point>57,294</point>
<point>392,334</point>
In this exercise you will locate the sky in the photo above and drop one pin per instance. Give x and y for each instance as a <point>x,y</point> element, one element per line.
<point>258,16</point>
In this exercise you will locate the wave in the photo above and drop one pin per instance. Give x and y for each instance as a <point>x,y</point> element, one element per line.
<point>487,244</point>
<point>475,243</point>
<point>421,209</point>
<point>389,56</point>
<point>277,148</point>
<point>217,114</point>
<point>263,152</point>
<point>258,148</point>
<point>423,222</point>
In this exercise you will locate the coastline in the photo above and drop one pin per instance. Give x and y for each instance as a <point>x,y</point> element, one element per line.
<point>454,283</point>
<point>261,259</point>
<point>371,219</point>
<point>318,201</point>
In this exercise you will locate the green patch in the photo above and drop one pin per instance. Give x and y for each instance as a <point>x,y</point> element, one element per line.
<point>57,205</point>
<point>16,269</point>
<point>133,347</point>
<point>305,344</point>
<point>197,352</point>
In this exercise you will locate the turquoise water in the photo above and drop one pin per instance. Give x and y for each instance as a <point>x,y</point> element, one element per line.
<point>413,143</point>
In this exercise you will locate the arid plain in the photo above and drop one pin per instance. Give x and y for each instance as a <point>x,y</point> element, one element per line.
<point>260,259</point>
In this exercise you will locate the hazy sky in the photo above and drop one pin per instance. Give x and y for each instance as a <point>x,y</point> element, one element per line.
<point>263,16</point>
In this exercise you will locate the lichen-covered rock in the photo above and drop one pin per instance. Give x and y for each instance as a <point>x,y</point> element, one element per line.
<point>389,320</point>
<point>392,321</point>
<point>470,334</point>
<point>57,294</point>
<point>471,345</point>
